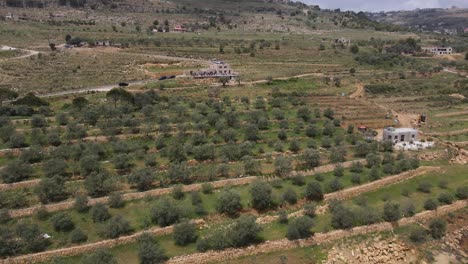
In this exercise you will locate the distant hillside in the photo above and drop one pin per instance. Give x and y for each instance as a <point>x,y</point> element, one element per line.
<point>449,21</point>
<point>245,15</point>
<point>153,5</point>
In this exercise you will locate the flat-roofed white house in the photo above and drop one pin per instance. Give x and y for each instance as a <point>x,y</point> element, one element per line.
<point>438,50</point>
<point>217,69</point>
<point>397,135</point>
<point>343,41</point>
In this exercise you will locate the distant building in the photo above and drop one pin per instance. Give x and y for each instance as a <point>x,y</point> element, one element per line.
<point>343,41</point>
<point>9,16</point>
<point>438,50</point>
<point>217,69</point>
<point>397,135</point>
<point>105,43</point>
<point>179,29</point>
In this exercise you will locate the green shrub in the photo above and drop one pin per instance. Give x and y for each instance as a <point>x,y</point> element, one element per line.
<point>116,226</point>
<point>338,171</point>
<point>445,198</point>
<point>78,236</point>
<point>309,209</point>
<point>391,212</point>
<point>357,167</point>
<point>116,200</point>
<point>207,188</point>
<point>99,256</point>
<point>81,203</point>
<point>300,228</point>
<point>430,204</point>
<point>438,228</point>
<point>166,212</point>
<point>243,232</point>
<point>462,192</point>
<point>425,187</point>
<point>62,222</point>
<point>99,213</point>
<point>185,233</point>
<point>178,192</point>
<point>195,198</point>
<point>314,191</point>
<point>356,179</point>
<point>335,185</point>
<point>283,216</point>
<point>298,180</point>
<point>418,235</point>
<point>149,251</point>
<point>290,196</point>
<point>261,195</point>
<point>342,217</point>
<point>4,216</point>
<point>42,213</point>
<point>229,203</point>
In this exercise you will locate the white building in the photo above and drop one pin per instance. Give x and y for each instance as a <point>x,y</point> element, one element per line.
<point>343,41</point>
<point>438,50</point>
<point>397,135</point>
<point>217,69</point>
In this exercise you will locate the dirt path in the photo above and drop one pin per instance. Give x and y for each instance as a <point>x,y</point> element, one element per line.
<point>452,114</point>
<point>359,93</point>
<point>28,54</point>
<point>449,133</point>
<point>455,72</point>
<point>404,119</point>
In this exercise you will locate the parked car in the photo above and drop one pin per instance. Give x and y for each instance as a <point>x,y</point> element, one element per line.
<point>162,78</point>
<point>123,84</point>
<point>171,77</point>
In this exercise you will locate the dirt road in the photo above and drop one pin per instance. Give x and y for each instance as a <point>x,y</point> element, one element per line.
<point>404,119</point>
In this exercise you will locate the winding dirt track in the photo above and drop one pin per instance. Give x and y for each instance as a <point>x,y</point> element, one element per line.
<point>28,54</point>
<point>452,114</point>
<point>449,133</point>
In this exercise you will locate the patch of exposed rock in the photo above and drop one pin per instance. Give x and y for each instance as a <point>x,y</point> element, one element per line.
<point>372,251</point>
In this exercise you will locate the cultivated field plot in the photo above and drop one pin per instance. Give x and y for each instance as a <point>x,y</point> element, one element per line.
<point>355,112</point>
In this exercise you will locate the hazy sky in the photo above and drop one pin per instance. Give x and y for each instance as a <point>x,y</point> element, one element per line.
<point>386,5</point>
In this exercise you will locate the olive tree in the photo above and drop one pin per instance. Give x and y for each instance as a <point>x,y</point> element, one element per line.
<point>142,179</point>
<point>149,251</point>
<point>261,195</point>
<point>229,202</point>
<point>314,191</point>
<point>185,233</point>
<point>166,212</point>
<point>300,228</point>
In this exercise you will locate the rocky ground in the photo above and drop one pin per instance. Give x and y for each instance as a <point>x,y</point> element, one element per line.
<point>376,250</point>
<point>457,242</point>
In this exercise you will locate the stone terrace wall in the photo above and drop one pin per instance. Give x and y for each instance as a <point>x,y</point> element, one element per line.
<point>371,186</point>
<point>214,256</point>
<point>81,249</point>
<point>319,238</point>
<point>17,185</point>
<point>164,191</point>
